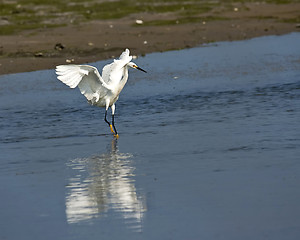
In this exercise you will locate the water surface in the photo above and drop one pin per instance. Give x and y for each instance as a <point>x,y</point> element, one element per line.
<point>209,149</point>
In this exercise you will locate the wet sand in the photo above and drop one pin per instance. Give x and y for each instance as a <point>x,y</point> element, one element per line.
<point>102,39</point>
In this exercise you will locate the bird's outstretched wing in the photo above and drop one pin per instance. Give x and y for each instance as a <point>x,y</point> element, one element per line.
<point>112,73</point>
<point>86,77</point>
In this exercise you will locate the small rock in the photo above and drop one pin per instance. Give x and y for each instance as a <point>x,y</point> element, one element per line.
<point>59,46</point>
<point>139,21</point>
<point>70,60</point>
<point>4,21</point>
<point>39,54</point>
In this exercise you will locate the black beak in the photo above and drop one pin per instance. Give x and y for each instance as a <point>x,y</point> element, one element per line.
<point>141,69</point>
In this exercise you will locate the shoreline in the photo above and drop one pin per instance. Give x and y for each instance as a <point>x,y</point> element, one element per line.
<point>105,39</point>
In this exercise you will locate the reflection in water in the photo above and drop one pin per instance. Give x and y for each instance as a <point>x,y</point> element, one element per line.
<point>102,183</point>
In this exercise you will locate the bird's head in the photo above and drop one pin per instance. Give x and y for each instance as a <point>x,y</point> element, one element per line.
<point>133,65</point>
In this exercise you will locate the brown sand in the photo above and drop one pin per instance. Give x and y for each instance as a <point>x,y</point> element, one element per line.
<point>98,40</point>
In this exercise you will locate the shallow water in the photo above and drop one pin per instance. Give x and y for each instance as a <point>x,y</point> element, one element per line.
<point>209,149</point>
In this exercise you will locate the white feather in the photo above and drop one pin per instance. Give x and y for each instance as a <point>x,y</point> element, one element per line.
<point>87,78</point>
<point>112,73</point>
<point>101,91</point>
<point>71,75</point>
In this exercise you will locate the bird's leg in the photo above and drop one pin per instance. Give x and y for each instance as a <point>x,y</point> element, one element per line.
<point>106,119</point>
<point>111,126</point>
<point>113,107</point>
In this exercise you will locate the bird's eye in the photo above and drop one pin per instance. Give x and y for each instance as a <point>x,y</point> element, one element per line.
<point>135,66</point>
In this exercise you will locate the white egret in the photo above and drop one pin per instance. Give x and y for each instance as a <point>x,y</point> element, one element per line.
<point>100,91</point>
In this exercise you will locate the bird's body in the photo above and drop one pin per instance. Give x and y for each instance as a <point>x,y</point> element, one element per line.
<point>100,91</point>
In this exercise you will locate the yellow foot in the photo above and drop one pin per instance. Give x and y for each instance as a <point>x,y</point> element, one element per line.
<point>111,129</point>
<point>116,136</point>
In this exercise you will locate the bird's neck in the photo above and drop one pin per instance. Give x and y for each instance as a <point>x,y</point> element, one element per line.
<point>123,80</point>
<point>125,74</point>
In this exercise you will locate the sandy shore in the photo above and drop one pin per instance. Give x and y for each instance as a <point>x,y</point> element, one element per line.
<point>102,39</point>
